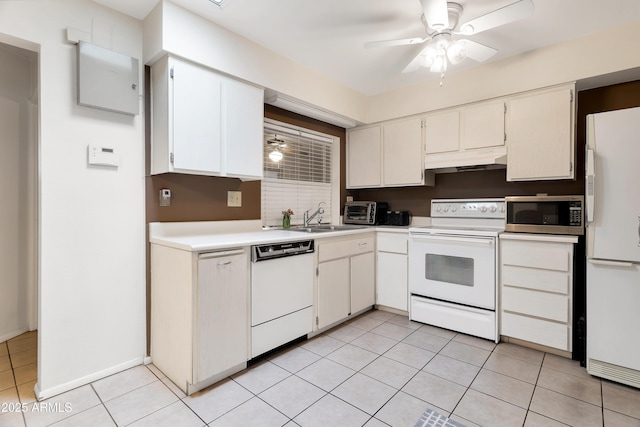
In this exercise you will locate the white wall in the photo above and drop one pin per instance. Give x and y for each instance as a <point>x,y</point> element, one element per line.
<point>170,28</point>
<point>583,58</point>
<point>92,227</point>
<point>17,286</point>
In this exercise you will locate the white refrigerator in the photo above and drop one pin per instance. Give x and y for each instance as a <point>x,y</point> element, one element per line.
<point>612,196</point>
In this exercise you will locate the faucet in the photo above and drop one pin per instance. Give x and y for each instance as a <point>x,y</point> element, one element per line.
<point>319,211</point>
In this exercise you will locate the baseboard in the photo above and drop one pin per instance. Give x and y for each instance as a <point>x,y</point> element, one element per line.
<point>13,334</point>
<point>62,388</point>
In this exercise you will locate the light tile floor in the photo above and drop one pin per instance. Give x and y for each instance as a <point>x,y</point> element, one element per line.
<point>378,369</point>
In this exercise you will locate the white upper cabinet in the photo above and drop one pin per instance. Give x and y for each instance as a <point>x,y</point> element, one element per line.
<point>204,123</point>
<point>402,152</point>
<point>387,155</point>
<point>540,135</point>
<point>466,136</point>
<point>242,129</point>
<point>364,157</point>
<point>482,125</point>
<point>442,132</point>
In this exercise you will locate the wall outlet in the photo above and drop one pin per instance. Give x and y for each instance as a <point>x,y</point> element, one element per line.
<point>165,197</point>
<point>234,199</point>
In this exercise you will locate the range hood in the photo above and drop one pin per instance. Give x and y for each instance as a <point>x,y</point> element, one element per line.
<point>459,161</point>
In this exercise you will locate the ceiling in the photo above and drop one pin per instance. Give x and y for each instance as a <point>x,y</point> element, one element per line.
<point>327,36</point>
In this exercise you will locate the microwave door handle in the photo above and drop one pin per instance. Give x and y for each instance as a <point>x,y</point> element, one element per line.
<point>590,181</point>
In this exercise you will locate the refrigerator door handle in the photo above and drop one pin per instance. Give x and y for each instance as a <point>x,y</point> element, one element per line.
<point>590,181</point>
<point>611,263</point>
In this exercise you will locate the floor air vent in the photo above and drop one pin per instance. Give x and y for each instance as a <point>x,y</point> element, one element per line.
<point>431,418</point>
<point>613,372</point>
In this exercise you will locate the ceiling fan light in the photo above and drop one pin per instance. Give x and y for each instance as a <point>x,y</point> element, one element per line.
<point>426,60</point>
<point>428,55</point>
<point>439,64</point>
<point>456,52</point>
<point>275,156</point>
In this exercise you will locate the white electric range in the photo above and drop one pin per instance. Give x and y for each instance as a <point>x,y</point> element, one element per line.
<point>453,266</point>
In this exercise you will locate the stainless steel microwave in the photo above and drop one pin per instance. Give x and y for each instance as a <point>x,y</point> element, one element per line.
<point>545,214</point>
<point>365,213</point>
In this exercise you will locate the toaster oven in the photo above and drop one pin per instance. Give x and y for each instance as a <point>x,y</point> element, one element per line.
<point>365,213</point>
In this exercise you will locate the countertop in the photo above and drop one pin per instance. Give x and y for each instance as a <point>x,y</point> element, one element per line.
<point>216,235</point>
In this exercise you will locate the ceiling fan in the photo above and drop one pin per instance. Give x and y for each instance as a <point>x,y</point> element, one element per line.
<point>441,21</point>
<point>278,145</point>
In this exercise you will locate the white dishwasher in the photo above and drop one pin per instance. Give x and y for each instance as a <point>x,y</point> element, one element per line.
<point>281,294</point>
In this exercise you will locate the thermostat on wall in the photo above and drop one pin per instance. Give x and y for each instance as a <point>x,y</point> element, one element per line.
<point>102,156</point>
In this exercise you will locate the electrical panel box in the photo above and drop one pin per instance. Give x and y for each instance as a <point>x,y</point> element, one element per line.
<point>107,80</point>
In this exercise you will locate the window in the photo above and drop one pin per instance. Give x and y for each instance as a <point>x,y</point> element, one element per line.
<point>301,170</point>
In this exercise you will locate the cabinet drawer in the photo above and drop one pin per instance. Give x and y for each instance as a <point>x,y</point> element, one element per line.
<point>535,303</point>
<point>344,248</point>
<point>550,256</point>
<point>544,280</point>
<point>538,331</point>
<point>392,242</point>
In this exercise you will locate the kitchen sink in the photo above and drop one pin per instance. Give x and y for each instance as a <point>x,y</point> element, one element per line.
<point>324,228</point>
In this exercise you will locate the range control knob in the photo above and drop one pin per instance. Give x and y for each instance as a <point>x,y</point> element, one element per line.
<point>438,208</point>
<point>493,208</point>
<point>483,209</point>
<point>446,208</point>
<point>454,208</point>
<point>501,208</point>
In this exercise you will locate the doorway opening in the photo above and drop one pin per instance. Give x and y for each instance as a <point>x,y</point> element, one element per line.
<point>19,130</point>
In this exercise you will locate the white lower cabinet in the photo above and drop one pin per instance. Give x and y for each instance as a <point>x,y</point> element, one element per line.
<point>536,283</point>
<point>346,278</point>
<point>199,315</point>
<point>391,270</point>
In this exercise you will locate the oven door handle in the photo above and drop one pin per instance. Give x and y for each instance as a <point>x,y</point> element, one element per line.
<point>485,241</point>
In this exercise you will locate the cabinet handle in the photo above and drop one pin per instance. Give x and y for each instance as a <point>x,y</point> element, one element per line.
<point>638,230</point>
<point>362,244</point>
<point>223,263</point>
<point>611,263</point>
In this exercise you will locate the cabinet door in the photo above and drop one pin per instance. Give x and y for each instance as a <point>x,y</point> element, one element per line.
<point>333,291</point>
<point>242,129</point>
<point>442,132</point>
<point>194,101</point>
<point>364,160</point>
<point>403,158</point>
<point>482,125</point>
<point>540,138</point>
<point>362,281</point>
<point>221,320</point>
<point>392,285</point>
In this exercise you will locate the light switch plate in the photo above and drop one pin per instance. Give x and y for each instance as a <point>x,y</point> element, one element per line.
<point>165,197</point>
<point>234,199</point>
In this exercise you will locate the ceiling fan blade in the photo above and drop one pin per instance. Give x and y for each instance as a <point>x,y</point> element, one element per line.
<point>414,64</point>
<point>476,51</point>
<point>398,42</point>
<point>436,13</point>
<point>513,12</point>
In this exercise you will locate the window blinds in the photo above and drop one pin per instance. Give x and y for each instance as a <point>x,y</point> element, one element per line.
<point>300,180</point>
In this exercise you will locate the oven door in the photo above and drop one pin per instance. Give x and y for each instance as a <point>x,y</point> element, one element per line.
<point>459,269</point>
